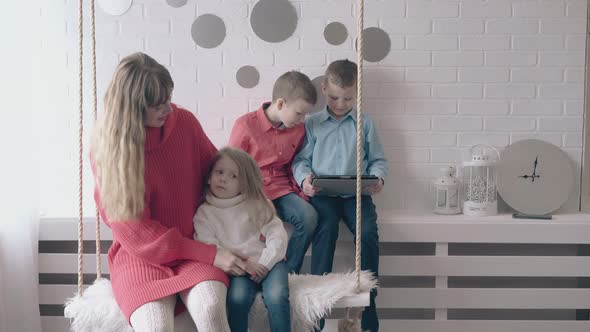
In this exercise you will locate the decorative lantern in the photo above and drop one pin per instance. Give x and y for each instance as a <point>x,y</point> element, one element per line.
<point>480,180</point>
<point>447,192</point>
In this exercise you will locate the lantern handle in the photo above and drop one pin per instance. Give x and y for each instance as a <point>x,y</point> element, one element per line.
<point>485,146</point>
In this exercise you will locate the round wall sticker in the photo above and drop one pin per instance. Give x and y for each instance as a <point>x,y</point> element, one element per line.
<point>321,103</point>
<point>176,3</point>
<point>115,7</point>
<point>247,77</point>
<point>208,31</point>
<point>273,20</point>
<point>335,33</point>
<point>376,44</point>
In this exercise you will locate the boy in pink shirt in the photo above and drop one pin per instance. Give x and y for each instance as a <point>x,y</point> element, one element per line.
<point>272,136</point>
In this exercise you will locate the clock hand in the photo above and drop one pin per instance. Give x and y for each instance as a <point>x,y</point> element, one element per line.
<point>535,169</point>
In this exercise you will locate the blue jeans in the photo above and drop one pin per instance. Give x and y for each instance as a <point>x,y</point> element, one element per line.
<point>296,211</point>
<point>275,294</point>
<point>330,211</point>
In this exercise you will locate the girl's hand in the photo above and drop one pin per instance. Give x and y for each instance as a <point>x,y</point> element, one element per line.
<point>307,188</point>
<point>240,255</point>
<point>250,269</point>
<point>229,263</point>
<point>257,271</point>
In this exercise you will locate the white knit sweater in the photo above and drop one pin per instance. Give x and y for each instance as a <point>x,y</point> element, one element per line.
<point>225,223</point>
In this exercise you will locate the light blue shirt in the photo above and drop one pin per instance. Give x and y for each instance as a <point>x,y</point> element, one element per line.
<point>330,147</point>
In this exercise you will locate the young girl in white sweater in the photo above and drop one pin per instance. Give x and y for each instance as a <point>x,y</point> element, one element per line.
<point>237,216</point>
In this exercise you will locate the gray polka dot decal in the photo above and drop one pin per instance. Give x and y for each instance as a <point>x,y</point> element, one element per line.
<point>376,44</point>
<point>247,77</point>
<point>321,103</point>
<point>273,20</point>
<point>176,3</point>
<point>208,31</point>
<point>335,33</point>
<point>115,7</point>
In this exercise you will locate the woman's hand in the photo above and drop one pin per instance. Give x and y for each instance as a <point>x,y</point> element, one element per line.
<point>257,271</point>
<point>229,263</point>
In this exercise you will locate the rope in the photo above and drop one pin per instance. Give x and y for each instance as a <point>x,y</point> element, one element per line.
<point>95,114</point>
<point>80,154</point>
<point>359,135</point>
<point>81,143</point>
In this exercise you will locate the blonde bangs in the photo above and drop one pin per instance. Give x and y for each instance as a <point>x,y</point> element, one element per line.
<point>158,88</point>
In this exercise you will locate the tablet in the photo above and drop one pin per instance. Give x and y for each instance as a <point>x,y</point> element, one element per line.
<point>341,184</point>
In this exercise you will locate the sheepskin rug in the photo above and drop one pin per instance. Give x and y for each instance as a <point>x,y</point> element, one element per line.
<point>312,297</point>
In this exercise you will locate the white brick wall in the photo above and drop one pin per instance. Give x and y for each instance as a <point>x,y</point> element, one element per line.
<point>459,73</point>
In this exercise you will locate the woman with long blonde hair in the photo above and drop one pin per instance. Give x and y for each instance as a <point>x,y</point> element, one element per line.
<point>237,215</point>
<point>149,158</point>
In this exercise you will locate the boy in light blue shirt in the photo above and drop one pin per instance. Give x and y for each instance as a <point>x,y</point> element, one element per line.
<point>330,149</point>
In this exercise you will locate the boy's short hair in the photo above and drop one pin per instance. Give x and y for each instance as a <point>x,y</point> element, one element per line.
<point>294,85</point>
<point>342,73</point>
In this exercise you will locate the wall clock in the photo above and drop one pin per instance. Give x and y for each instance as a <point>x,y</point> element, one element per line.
<point>535,177</point>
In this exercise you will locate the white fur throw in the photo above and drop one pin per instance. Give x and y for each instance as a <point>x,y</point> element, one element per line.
<point>96,310</point>
<point>312,297</point>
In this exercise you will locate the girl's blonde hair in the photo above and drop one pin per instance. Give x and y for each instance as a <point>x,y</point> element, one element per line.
<point>260,209</point>
<point>118,138</point>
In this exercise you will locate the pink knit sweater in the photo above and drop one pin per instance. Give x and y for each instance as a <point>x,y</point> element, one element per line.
<point>157,256</point>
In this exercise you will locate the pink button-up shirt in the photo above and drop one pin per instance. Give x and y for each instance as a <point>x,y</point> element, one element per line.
<point>273,148</point>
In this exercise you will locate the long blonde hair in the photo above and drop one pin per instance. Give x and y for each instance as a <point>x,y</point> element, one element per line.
<point>260,209</point>
<point>118,139</point>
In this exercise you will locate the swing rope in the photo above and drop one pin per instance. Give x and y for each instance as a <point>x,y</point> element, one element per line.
<point>359,146</point>
<point>95,115</point>
<point>81,143</point>
<point>81,152</point>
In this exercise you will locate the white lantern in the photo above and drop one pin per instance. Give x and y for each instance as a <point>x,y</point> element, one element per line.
<point>447,192</point>
<point>480,181</point>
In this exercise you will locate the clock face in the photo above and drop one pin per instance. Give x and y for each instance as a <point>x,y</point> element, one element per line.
<point>535,177</point>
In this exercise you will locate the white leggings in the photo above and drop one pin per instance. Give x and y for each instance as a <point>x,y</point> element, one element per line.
<point>205,303</point>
